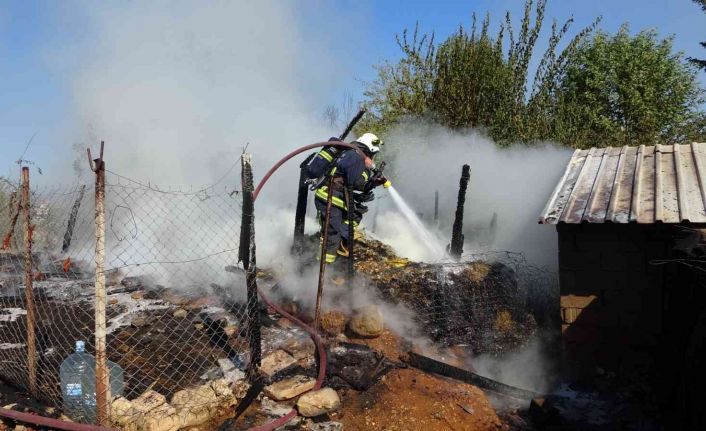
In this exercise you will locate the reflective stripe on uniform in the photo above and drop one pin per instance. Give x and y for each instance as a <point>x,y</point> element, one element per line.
<point>325,154</point>
<point>330,258</point>
<point>322,193</point>
<point>365,176</point>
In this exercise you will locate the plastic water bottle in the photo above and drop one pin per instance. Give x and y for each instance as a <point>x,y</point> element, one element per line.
<point>78,383</point>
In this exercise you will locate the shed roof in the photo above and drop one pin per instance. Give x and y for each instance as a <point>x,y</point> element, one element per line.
<point>661,183</point>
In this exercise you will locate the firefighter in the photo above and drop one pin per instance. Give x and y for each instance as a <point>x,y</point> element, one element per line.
<point>352,169</point>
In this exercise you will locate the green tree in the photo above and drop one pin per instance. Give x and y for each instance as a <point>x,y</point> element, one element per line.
<point>701,63</point>
<point>627,90</point>
<point>475,79</point>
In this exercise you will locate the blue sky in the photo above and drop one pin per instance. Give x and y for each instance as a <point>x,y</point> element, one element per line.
<point>35,94</point>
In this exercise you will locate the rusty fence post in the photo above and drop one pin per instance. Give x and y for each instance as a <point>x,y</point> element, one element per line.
<point>29,290</point>
<point>246,254</point>
<point>456,249</point>
<point>102,380</point>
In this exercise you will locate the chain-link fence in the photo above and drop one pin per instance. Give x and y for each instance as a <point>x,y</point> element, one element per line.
<point>176,304</point>
<point>490,302</point>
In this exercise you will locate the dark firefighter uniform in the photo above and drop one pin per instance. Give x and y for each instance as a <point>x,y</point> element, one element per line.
<point>348,170</point>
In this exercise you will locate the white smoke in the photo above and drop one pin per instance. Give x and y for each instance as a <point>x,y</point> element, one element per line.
<point>177,89</point>
<point>514,183</point>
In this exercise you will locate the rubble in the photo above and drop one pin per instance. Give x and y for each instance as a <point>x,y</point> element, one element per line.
<point>275,362</point>
<point>299,348</point>
<point>289,388</point>
<point>149,412</point>
<point>180,313</point>
<point>317,403</point>
<point>367,321</point>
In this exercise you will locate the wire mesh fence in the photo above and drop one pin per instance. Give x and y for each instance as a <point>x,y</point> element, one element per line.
<point>176,306</point>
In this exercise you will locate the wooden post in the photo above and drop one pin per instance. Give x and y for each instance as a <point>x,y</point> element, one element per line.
<point>29,291</point>
<point>351,236</point>
<point>102,380</point>
<point>246,254</point>
<point>456,249</point>
<point>72,220</point>
<point>436,207</point>
<point>300,214</point>
<point>322,256</point>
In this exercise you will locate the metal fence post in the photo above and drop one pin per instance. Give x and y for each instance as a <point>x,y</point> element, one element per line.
<point>246,254</point>
<point>29,291</point>
<point>102,381</point>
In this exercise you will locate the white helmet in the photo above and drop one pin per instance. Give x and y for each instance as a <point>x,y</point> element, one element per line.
<point>370,142</point>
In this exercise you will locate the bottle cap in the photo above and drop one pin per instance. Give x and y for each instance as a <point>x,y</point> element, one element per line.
<point>80,346</point>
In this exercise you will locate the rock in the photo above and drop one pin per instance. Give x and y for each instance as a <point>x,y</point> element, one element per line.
<point>230,372</point>
<point>289,388</point>
<point>180,313</point>
<point>112,301</point>
<point>139,321</point>
<point>131,282</point>
<point>199,326</point>
<point>274,409</point>
<point>230,330</point>
<point>198,405</point>
<point>367,321</point>
<point>276,361</point>
<point>148,412</point>
<point>333,322</point>
<point>317,403</point>
<point>175,298</point>
<point>310,425</point>
<point>140,294</point>
<point>299,349</point>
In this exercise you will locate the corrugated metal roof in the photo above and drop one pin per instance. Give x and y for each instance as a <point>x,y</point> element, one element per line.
<point>661,183</point>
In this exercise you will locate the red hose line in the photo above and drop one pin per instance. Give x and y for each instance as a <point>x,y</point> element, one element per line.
<point>30,418</point>
<point>294,153</point>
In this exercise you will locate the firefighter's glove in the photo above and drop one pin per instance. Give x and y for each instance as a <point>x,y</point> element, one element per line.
<point>364,197</point>
<point>380,181</point>
<point>360,209</point>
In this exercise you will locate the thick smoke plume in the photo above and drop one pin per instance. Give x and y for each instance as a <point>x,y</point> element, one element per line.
<point>177,90</point>
<point>510,184</point>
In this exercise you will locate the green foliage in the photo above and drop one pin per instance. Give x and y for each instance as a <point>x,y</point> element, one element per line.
<point>595,89</point>
<point>626,90</point>
<point>700,63</point>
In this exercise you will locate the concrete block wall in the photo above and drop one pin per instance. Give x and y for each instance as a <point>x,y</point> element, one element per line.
<point>611,296</point>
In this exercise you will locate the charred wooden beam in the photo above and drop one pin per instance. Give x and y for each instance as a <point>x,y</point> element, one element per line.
<point>246,254</point>
<point>456,249</point>
<point>433,366</point>
<point>300,214</point>
<point>72,220</point>
<point>436,206</point>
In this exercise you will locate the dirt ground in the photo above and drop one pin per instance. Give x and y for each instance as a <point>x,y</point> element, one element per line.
<point>408,399</point>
